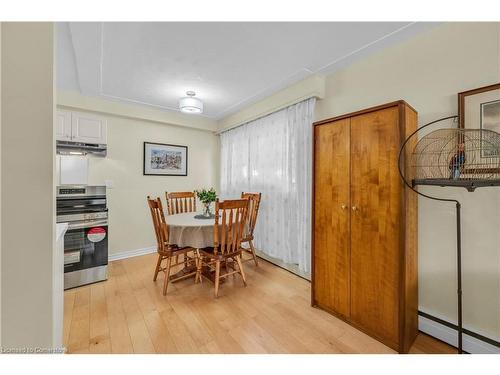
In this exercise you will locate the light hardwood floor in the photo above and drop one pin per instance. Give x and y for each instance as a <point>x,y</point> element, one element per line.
<point>128,314</point>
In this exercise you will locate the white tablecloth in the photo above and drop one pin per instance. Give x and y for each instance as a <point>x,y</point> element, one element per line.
<point>185,230</point>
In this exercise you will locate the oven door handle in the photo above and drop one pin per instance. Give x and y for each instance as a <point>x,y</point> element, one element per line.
<point>87,224</point>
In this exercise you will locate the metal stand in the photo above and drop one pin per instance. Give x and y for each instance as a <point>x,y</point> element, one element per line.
<point>459,279</point>
<point>459,234</point>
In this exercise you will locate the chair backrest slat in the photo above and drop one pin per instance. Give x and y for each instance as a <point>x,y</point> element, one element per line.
<point>180,202</point>
<point>223,229</point>
<point>231,234</point>
<point>253,210</point>
<point>228,232</point>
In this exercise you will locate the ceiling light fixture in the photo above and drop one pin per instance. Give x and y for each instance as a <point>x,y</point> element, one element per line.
<point>190,104</point>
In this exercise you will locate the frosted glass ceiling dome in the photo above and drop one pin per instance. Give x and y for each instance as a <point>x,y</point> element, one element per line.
<point>190,104</point>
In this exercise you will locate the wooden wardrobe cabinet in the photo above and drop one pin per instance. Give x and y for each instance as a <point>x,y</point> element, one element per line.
<point>364,258</point>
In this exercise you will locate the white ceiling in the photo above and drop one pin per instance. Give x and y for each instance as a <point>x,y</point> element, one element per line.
<point>229,65</point>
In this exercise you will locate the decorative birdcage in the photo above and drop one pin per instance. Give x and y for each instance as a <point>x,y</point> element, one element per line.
<point>469,158</point>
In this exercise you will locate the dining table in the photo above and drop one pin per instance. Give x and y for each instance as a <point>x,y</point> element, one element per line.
<point>193,230</point>
<point>190,229</point>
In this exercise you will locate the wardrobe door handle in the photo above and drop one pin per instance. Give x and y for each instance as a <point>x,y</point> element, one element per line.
<point>354,208</point>
<point>343,206</point>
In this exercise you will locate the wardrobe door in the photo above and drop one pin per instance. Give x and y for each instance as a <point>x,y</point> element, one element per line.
<point>375,223</point>
<point>331,217</point>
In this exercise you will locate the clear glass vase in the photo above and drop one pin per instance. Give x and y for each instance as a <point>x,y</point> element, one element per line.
<point>207,209</point>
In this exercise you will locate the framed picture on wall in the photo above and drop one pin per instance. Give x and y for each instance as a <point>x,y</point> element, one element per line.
<point>162,159</point>
<point>480,109</point>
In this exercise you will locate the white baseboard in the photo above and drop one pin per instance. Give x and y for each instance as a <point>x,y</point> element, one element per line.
<point>131,253</point>
<point>450,336</point>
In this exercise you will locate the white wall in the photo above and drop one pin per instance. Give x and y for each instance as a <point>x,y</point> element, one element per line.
<point>428,71</point>
<point>130,225</point>
<point>27,186</point>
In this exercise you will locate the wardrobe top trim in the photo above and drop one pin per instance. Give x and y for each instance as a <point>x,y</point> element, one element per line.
<point>363,111</point>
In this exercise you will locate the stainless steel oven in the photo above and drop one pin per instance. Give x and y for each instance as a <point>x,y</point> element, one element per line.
<point>84,208</point>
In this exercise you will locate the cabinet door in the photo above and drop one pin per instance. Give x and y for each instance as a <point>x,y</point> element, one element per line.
<point>375,223</point>
<point>63,125</point>
<point>74,170</point>
<point>89,128</point>
<point>331,217</point>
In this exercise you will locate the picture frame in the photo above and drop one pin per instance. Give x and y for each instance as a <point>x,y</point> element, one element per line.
<point>163,159</point>
<point>480,109</point>
<point>469,104</point>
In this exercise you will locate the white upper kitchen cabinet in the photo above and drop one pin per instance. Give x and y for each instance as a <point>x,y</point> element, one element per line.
<point>81,127</point>
<point>63,126</point>
<point>88,128</point>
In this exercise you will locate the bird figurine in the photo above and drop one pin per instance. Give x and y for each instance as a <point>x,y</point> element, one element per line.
<point>457,162</point>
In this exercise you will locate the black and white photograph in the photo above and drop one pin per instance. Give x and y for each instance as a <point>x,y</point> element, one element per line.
<point>479,109</point>
<point>490,120</point>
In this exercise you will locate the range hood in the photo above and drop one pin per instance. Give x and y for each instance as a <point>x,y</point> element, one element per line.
<point>77,148</point>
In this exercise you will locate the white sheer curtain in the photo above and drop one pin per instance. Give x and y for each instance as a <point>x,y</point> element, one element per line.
<point>272,155</point>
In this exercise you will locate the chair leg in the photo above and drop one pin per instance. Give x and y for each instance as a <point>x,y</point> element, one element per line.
<point>167,276</point>
<point>242,273</point>
<point>158,266</point>
<point>253,253</point>
<point>217,276</point>
<point>199,265</point>
<point>196,274</point>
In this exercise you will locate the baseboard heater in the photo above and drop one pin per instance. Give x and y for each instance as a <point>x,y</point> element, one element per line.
<point>447,332</point>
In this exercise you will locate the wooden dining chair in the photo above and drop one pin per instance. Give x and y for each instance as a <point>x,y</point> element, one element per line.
<point>230,221</point>
<point>253,211</point>
<point>180,202</point>
<point>165,250</point>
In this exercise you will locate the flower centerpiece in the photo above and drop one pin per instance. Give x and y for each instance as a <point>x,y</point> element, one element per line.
<point>207,197</point>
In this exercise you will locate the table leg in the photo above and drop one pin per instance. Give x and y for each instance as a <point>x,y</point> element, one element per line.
<point>189,267</point>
